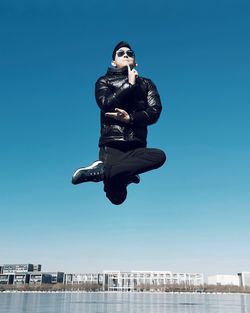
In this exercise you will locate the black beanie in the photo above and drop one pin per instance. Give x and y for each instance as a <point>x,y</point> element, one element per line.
<point>118,46</point>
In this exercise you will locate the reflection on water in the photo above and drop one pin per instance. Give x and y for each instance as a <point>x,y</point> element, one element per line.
<point>123,303</point>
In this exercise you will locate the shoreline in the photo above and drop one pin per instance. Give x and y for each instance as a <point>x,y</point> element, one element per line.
<point>121,292</point>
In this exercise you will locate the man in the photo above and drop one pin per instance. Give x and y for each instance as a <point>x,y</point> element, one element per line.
<point>128,103</point>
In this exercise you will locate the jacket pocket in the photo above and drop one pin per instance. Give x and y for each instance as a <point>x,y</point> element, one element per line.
<point>113,130</point>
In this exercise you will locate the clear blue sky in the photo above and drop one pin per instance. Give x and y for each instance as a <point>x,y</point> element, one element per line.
<point>191,215</point>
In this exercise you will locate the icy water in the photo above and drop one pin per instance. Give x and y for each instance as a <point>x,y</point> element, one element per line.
<point>123,302</point>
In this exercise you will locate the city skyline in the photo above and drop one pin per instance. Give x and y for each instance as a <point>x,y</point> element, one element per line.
<point>29,267</point>
<point>32,275</point>
<point>191,214</point>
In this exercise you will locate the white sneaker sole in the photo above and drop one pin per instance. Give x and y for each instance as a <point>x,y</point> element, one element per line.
<point>87,168</point>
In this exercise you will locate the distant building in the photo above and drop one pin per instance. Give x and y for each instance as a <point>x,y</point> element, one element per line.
<point>20,268</point>
<point>38,278</point>
<point>37,268</point>
<point>56,277</point>
<point>223,280</point>
<point>82,278</point>
<point>6,279</point>
<point>21,279</point>
<point>130,281</point>
<point>22,274</point>
<point>244,279</point>
<point>1,269</point>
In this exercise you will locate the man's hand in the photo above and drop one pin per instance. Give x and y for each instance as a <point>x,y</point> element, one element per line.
<point>119,115</point>
<point>132,74</point>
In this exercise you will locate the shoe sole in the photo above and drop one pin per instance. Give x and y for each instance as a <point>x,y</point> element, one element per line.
<point>87,168</point>
<point>78,180</point>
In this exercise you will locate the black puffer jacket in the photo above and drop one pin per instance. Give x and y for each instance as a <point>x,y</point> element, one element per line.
<point>141,101</point>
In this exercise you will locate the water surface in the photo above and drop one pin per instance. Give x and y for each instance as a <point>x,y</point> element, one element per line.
<point>123,302</point>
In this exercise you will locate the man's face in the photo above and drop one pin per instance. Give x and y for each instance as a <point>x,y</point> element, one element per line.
<point>123,57</point>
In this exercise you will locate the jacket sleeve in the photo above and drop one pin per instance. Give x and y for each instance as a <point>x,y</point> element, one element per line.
<point>153,109</point>
<point>108,100</point>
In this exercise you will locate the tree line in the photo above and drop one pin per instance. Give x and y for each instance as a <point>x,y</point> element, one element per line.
<point>90,287</point>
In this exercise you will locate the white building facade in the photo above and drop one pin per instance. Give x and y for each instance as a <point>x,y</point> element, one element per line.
<point>134,280</point>
<point>244,279</point>
<point>82,278</point>
<point>223,280</point>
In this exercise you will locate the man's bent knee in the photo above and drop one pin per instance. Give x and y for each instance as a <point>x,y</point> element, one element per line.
<point>117,196</point>
<point>116,200</point>
<point>161,157</point>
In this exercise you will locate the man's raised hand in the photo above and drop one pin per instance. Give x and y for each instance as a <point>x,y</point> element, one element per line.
<point>132,74</point>
<point>119,115</point>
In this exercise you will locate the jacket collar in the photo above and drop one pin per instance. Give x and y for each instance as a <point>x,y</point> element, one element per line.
<point>117,71</point>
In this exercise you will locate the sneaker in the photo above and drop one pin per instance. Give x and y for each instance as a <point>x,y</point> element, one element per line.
<point>134,179</point>
<point>94,172</point>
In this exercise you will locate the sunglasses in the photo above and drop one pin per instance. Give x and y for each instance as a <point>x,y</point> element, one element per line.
<point>129,53</point>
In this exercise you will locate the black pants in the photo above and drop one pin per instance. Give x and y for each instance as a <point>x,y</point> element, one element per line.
<point>121,164</point>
